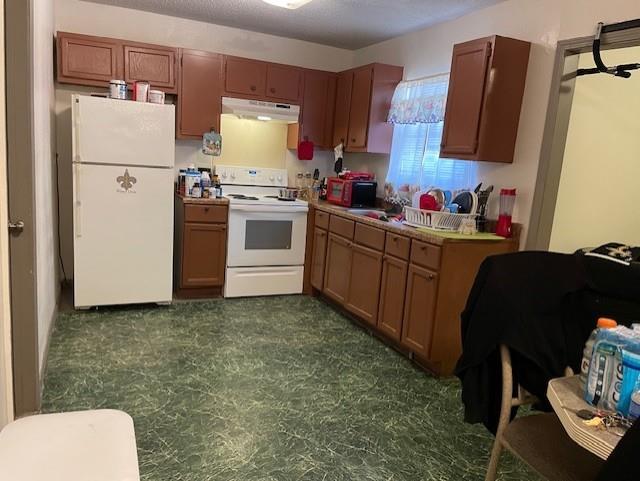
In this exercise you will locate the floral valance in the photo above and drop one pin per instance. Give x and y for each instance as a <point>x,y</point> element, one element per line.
<point>419,101</point>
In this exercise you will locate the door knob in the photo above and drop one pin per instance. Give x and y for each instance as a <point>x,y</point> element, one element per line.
<point>16,228</point>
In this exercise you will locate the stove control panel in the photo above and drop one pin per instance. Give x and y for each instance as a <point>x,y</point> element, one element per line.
<point>259,176</point>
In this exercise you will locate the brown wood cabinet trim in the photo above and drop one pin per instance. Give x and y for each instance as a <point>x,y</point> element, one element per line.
<point>208,214</point>
<point>398,245</point>
<point>322,219</point>
<point>425,255</point>
<point>341,226</point>
<point>369,236</point>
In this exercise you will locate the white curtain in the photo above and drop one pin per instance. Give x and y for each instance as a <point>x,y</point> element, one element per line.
<point>417,112</point>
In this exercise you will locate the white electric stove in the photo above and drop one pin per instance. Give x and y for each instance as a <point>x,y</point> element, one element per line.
<point>266,237</point>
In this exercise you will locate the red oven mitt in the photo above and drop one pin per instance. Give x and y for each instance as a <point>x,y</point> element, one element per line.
<point>305,150</point>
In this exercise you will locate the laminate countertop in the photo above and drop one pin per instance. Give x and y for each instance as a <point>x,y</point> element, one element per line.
<point>202,201</point>
<point>422,234</point>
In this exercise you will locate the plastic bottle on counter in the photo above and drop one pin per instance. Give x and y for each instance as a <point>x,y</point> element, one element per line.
<point>196,191</point>
<point>180,189</point>
<point>217,186</point>
<point>205,179</point>
<point>603,323</point>
<point>191,177</point>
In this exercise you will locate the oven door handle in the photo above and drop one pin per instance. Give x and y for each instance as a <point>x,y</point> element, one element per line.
<point>274,210</point>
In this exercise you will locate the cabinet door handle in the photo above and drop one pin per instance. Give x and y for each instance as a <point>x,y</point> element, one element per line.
<point>431,277</point>
<point>253,88</point>
<point>206,209</point>
<point>353,140</point>
<point>272,90</point>
<point>423,248</point>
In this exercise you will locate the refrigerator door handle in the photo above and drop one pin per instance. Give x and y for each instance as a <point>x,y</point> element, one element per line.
<point>77,221</point>
<point>76,125</point>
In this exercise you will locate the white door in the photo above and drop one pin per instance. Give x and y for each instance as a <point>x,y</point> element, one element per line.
<point>123,234</point>
<point>110,131</point>
<point>266,236</point>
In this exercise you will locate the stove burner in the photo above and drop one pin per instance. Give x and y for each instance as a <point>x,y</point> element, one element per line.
<point>283,199</point>
<point>242,197</point>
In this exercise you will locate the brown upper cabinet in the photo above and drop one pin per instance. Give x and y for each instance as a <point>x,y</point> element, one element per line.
<point>256,79</point>
<point>363,99</point>
<point>486,87</point>
<point>344,85</point>
<point>87,60</point>
<point>316,118</point>
<point>154,64</point>
<point>200,93</point>
<point>244,76</point>
<point>359,110</point>
<point>283,83</point>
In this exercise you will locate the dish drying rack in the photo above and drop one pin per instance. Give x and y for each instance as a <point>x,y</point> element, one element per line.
<point>433,219</point>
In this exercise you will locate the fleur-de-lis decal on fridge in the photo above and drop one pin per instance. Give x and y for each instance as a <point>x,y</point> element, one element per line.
<point>126,181</point>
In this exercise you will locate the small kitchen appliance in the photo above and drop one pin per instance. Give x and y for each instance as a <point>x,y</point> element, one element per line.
<point>507,201</point>
<point>266,236</point>
<point>352,189</point>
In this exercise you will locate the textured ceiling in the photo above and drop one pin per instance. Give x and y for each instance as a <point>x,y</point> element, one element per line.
<point>350,24</point>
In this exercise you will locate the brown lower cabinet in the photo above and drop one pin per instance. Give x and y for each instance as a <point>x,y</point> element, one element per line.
<point>410,291</point>
<point>200,248</point>
<point>318,258</point>
<point>336,274</point>
<point>364,283</point>
<point>419,308</point>
<point>392,292</point>
<point>203,256</point>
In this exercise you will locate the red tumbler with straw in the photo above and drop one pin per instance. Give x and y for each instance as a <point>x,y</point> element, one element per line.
<point>507,201</point>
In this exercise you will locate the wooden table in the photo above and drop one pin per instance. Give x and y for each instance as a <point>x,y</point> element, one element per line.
<point>566,398</point>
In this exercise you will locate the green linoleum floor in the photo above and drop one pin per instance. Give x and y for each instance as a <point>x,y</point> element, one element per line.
<point>261,389</point>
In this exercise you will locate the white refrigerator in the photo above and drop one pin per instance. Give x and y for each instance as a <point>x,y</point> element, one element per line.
<point>123,172</point>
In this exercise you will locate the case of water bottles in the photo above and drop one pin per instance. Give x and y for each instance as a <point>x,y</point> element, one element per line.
<point>613,381</point>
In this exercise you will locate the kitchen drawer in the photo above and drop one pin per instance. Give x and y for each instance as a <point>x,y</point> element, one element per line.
<point>369,236</point>
<point>425,255</point>
<point>205,213</point>
<point>322,219</point>
<point>398,246</point>
<point>342,227</point>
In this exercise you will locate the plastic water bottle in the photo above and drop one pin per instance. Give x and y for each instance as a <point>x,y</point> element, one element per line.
<point>587,352</point>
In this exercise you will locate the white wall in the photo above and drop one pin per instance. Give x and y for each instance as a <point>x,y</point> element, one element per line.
<point>542,22</point>
<point>601,164</point>
<point>6,374</point>
<point>44,137</point>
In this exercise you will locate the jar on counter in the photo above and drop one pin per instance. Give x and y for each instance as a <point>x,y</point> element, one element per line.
<point>196,191</point>
<point>118,89</point>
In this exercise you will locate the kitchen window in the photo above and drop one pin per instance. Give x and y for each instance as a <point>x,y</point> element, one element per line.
<point>417,112</point>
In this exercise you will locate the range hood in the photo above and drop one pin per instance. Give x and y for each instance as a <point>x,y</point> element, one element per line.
<point>257,109</point>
